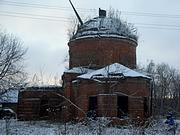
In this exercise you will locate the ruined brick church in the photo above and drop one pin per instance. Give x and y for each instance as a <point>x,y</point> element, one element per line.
<point>101,80</point>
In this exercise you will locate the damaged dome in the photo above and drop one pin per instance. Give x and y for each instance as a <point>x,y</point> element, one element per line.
<point>106,27</point>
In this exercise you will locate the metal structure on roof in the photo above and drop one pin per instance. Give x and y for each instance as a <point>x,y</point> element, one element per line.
<point>79,18</point>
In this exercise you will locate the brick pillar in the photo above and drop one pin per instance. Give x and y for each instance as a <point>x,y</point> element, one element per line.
<point>136,107</point>
<point>107,105</point>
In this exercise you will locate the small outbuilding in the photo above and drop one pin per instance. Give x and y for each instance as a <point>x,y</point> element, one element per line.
<point>40,102</point>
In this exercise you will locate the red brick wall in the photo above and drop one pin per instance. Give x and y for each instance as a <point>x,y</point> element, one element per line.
<point>83,91</point>
<point>136,88</point>
<point>29,102</point>
<point>101,52</point>
<point>136,107</point>
<point>107,105</point>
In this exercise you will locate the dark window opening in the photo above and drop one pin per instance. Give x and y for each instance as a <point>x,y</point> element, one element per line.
<point>92,107</point>
<point>44,106</point>
<point>122,106</point>
<point>145,107</point>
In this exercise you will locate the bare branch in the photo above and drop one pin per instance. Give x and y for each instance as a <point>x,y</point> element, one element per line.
<point>11,61</point>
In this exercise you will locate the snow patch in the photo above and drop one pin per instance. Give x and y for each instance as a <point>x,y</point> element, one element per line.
<point>108,27</point>
<point>115,70</point>
<point>15,127</point>
<point>11,96</point>
<point>79,70</point>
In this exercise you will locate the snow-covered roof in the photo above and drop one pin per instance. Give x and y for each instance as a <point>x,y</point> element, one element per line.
<point>115,70</point>
<point>106,27</point>
<point>42,88</point>
<point>79,70</point>
<point>11,96</point>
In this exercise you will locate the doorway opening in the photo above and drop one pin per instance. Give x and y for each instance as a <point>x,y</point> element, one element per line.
<point>122,106</point>
<point>145,107</point>
<point>92,107</point>
<point>44,106</point>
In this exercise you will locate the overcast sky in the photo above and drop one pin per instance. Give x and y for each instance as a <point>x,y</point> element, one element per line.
<point>42,26</point>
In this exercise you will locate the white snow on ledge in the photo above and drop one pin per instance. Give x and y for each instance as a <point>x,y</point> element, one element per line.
<point>115,70</point>
<point>79,70</point>
<point>104,36</point>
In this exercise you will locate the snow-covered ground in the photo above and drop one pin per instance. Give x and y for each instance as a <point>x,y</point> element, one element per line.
<point>14,127</point>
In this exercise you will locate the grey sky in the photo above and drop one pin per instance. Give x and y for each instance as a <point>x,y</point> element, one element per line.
<point>47,40</point>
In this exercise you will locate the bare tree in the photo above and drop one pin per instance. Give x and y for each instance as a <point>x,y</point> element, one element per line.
<point>176,91</point>
<point>11,62</point>
<point>163,84</point>
<point>166,88</point>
